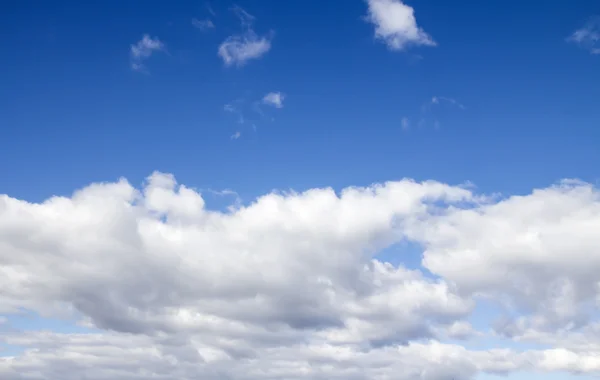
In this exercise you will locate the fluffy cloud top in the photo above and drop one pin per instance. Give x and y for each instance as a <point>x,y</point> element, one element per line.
<point>396,25</point>
<point>290,285</point>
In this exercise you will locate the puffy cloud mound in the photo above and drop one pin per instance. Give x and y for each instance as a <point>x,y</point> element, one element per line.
<point>396,25</point>
<point>292,286</point>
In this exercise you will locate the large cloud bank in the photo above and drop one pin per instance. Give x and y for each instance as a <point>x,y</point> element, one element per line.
<point>292,285</point>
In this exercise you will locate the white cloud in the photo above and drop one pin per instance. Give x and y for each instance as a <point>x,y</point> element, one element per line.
<point>116,356</point>
<point>537,255</point>
<point>236,135</point>
<point>238,49</point>
<point>142,50</point>
<point>461,330</point>
<point>451,101</point>
<point>289,286</point>
<point>588,37</point>
<point>203,24</point>
<point>396,25</point>
<point>274,99</point>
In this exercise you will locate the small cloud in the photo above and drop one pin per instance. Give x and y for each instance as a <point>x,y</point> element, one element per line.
<point>588,37</point>
<point>238,49</point>
<point>454,102</point>
<point>203,24</point>
<point>429,113</point>
<point>236,110</point>
<point>405,123</point>
<point>396,25</point>
<point>274,99</point>
<point>236,135</point>
<point>210,9</point>
<point>142,50</point>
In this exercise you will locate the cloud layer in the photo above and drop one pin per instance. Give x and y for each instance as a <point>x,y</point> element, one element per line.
<point>291,286</point>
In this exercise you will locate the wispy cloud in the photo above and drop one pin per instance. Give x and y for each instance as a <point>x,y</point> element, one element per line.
<point>588,37</point>
<point>405,123</point>
<point>203,25</point>
<point>429,113</point>
<point>246,19</point>
<point>274,99</point>
<point>250,112</point>
<point>142,50</point>
<point>211,10</point>
<point>238,49</point>
<point>236,110</point>
<point>396,25</point>
<point>454,102</point>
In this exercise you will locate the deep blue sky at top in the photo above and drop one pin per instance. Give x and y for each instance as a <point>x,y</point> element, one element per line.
<point>72,111</point>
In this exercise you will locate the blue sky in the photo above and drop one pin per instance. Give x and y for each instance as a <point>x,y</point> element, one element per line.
<point>75,112</point>
<point>500,94</point>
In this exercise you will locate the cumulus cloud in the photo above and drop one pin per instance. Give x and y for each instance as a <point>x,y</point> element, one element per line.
<point>290,286</point>
<point>461,330</point>
<point>588,37</point>
<point>238,49</point>
<point>142,50</point>
<point>139,357</point>
<point>396,25</point>
<point>274,99</point>
<point>538,255</point>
